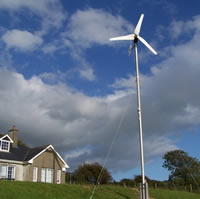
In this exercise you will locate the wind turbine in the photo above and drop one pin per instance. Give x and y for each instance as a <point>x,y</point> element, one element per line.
<point>135,37</point>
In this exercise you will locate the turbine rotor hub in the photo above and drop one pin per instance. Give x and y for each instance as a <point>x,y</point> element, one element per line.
<point>135,39</point>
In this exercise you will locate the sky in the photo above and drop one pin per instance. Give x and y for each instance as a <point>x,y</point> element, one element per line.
<point>62,82</point>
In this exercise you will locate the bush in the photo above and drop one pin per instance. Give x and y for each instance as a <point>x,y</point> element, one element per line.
<point>90,173</point>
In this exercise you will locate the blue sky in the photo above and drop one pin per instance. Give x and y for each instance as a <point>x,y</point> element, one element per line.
<point>63,82</point>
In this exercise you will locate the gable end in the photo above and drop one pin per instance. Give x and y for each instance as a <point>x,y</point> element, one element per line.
<point>49,147</point>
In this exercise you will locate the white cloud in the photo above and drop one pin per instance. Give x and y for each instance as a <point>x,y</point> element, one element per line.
<point>155,145</point>
<point>90,27</point>
<point>190,115</point>
<point>179,29</point>
<point>85,29</point>
<point>22,40</point>
<point>124,82</point>
<point>87,73</point>
<point>84,69</point>
<point>50,11</point>
<point>176,28</point>
<point>50,48</point>
<point>95,26</point>
<point>170,94</point>
<point>80,127</point>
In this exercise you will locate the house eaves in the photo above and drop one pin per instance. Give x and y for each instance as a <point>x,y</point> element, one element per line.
<point>13,161</point>
<point>48,147</point>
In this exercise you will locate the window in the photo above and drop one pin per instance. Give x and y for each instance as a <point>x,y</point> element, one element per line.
<point>7,172</point>
<point>35,171</point>
<point>47,175</point>
<point>3,172</point>
<point>58,176</point>
<point>10,172</point>
<point>4,145</point>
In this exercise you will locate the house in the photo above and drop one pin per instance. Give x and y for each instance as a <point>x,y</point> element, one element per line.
<point>21,163</point>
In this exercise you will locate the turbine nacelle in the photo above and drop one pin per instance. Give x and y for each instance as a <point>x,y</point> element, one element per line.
<point>135,36</point>
<point>135,39</point>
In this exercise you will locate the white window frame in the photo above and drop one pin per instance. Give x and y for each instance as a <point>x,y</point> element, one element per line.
<point>6,168</point>
<point>43,175</point>
<point>1,145</point>
<point>47,175</point>
<point>13,172</point>
<point>3,172</point>
<point>58,176</point>
<point>35,174</point>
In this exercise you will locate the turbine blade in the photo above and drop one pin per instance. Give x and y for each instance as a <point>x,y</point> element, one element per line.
<point>147,45</point>
<point>138,26</point>
<point>126,37</point>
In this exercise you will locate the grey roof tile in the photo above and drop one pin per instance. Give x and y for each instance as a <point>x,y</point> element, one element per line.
<point>21,153</point>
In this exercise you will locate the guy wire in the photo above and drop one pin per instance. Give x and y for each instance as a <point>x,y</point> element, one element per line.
<point>108,153</point>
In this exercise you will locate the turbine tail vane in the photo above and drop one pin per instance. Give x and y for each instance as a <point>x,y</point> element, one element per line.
<point>130,50</point>
<point>147,45</point>
<point>139,24</point>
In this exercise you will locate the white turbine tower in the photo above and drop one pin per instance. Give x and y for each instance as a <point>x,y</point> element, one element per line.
<point>135,37</point>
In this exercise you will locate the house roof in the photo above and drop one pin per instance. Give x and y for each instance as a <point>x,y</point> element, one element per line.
<point>24,153</point>
<point>33,152</point>
<point>42,149</point>
<point>16,154</point>
<point>5,137</point>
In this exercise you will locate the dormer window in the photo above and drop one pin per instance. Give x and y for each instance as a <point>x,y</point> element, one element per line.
<point>4,146</point>
<point>5,143</point>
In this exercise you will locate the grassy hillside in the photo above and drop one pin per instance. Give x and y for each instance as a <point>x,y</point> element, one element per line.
<point>28,190</point>
<point>169,194</point>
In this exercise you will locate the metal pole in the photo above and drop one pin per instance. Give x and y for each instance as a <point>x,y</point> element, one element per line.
<point>146,190</point>
<point>139,110</point>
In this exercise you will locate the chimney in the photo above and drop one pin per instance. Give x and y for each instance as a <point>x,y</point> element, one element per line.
<point>13,134</point>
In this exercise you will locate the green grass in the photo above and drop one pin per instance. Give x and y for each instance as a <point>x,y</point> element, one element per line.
<point>170,194</point>
<point>115,192</point>
<point>29,190</point>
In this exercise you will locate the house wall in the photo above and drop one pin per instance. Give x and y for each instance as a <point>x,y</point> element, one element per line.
<point>18,170</point>
<point>27,173</point>
<point>19,173</point>
<point>48,159</point>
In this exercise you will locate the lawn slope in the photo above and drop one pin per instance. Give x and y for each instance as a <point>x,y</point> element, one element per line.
<point>170,194</point>
<point>29,190</point>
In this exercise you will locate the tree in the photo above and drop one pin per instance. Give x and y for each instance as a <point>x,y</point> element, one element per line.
<point>127,182</point>
<point>89,173</point>
<point>68,177</point>
<point>138,179</point>
<point>184,168</point>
